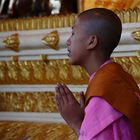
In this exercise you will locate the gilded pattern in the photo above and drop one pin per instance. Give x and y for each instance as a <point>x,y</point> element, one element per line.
<point>29,101</point>
<point>13,71</point>
<point>35,131</point>
<point>51,71</point>
<point>111,4</point>
<point>131,65</point>
<point>3,69</point>
<point>59,21</point>
<point>55,71</point>
<point>12,42</point>
<point>25,70</point>
<point>51,40</point>
<point>38,70</point>
<point>136,34</point>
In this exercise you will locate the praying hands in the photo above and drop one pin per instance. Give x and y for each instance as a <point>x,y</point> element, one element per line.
<point>69,108</point>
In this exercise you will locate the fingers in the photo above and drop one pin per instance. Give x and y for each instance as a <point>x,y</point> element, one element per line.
<point>63,93</point>
<point>58,98</point>
<point>70,96</point>
<point>61,97</point>
<point>82,100</point>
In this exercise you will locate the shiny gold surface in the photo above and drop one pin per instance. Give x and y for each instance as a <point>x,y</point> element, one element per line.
<point>12,42</point>
<point>51,40</point>
<point>37,23</point>
<point>59,21</point>
<point>130,15</point>
<point>3,68</point>
<point>29,101</point>
<point>12,68</point>
<point>55,71</point>
<point>51,72</point>
<point>136,34</point>
<point>41,72</point>
<point>131,65</point>
<point>35,131</point>
<point>111,4</point>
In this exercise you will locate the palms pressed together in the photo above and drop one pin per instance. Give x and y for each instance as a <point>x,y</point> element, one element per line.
<point>69,107</point>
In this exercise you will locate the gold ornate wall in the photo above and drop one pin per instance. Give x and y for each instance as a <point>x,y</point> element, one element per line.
<point>55,71</point>
<point>29,101</point>
<point>35,131</point>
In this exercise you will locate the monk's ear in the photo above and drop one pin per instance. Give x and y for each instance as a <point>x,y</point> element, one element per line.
<point>92,42</point>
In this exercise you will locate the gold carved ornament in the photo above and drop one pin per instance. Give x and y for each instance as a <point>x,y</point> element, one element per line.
<point>30,101</point>
<point>51,40</point>
<point>54,71</point>
<point>136,35</point>
<point>60,21</point>
<point>12,42</point>
<point>35,131</point>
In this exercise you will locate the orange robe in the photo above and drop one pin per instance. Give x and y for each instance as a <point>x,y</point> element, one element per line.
<point>118,88</point>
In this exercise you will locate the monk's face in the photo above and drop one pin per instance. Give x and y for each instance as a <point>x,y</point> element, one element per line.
<point>77,44</point>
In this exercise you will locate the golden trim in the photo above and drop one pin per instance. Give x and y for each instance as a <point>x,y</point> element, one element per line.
<point>29,101</point>
<point>41,72</point>
<point>59,21</point>
<point>35,131</point>
<point>136,34</point>
<point>55,71</point>
<point>80,5</point>
<point>110,4</point>
<point>12,42</point>
<point>36,23</point>
<point>51,40</point>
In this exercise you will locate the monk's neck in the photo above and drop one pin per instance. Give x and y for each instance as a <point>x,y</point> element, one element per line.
<point>94,65</point>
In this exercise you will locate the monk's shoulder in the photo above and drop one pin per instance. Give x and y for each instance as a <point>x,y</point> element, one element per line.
<point>112,71</point>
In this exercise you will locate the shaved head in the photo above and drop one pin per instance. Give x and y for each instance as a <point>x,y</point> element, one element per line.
<point>103,23</point>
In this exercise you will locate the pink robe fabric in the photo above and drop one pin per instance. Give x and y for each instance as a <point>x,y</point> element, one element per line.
<point>102,122</point>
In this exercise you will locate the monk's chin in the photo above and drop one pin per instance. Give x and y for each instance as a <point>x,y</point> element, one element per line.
<point>72,62</point>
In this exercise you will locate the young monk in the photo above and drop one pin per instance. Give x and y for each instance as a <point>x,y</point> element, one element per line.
<point>111,109</point>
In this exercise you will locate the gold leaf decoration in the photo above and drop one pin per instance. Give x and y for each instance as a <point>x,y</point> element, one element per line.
<point>25,69</point>
<point>64,71</point>
<point>29,101</point>
<point>59,21</point>
<point>13,71</point>
<point>51,72</point>
<point>3,69</point>
<point>51,40</point>
<point>111,4</point>
<point>12,42</point>
<point>38,70</point>
<point>136,35</point>
<point>35,131</point>
<point>55,71</point>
